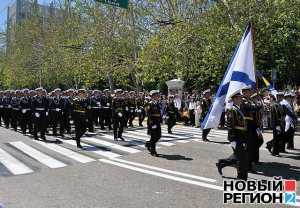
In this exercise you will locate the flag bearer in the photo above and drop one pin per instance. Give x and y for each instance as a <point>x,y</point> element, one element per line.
<point>237,130</point>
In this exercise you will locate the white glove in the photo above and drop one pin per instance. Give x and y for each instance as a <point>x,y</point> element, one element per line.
<point>89,107</point>
<point>98,104</point>
<point>126,108</point>
<point>23,111</point>
<point>278,129</point>
<point>120,114</point>
<point>233,144</point>
<point>37,115</point>
<point>131,111</point>
<point>57,109</point>
<point>292,125</point>
<point>46,113</point>
<point>107,104</point>
<point>154,127</point>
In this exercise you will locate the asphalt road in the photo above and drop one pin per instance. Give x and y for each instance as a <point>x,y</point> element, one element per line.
<point>108,174</point>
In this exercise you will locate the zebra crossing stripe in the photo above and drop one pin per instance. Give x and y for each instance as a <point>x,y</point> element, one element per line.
<point>94,149</point>
<point>37,155</point>
<point>199,131</point>
<point>145,137</point>
<point>12,164</point>
<point>138,138</point>
<point>111,145</point>
<point>66,152</point>
<point>165,134</point>
<point>135,143</point>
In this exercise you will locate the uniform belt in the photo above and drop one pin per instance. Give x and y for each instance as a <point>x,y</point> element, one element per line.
<point>106,107</point>
<point>40,109</point>
<point>16,108</point>
<point>119,109</point>
<point>155,115</point>
<point>27,109</point>
<point>96,107</point>
<point>79,111</point>
<point>240,128</point>
<point>248,118</point>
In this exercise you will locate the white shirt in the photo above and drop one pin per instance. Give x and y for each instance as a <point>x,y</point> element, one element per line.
<point>192,105</point>
<point>177,103</point>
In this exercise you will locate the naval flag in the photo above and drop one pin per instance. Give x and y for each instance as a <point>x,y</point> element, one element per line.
<point>239,74</point>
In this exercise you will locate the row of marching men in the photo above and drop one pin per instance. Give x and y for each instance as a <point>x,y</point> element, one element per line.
<point>244,123</point>
<point>35,111</point>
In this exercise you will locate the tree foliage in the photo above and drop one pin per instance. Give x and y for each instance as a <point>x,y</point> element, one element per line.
<point>94,45</point>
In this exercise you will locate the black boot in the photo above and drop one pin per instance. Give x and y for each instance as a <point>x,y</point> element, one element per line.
<point>220,167</point>
<point>78,143</point>
<point>154,154</point>
<point>153,151</point>
<point>205,140</point>
<point>147,145</point>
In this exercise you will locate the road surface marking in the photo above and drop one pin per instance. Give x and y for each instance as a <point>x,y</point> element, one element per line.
<point>146,137</point>
<point>66,152</point>
<point>175,178</point>
<point>138,138</point>
<point>169,136</point>
<point>111,145</point>
<point>12,164</point>
<point>135,143</point>
<point>93,149</point>
<point>39,156</point>
<point>165,170</point>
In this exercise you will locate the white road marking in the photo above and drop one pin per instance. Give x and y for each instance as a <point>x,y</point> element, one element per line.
<point>200,140</point>
<point>167,135</point>
<point>138,138</point>
<point>175,178</point>
<point>196,134</point>
<point>97,151</point>
<point>165,170</point>
<point>12,164</point>
<point>199,131</point>
<point>111,145</point>
<point>110,137</point>
<point>145,137</point>
<point>66,152</point>
<point>39,156</point>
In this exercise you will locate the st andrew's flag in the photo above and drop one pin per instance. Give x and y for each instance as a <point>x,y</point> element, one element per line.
<point>239,74</point>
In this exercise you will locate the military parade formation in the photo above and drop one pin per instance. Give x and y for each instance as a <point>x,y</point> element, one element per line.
<point>35,112</point>
<point>244,121</point>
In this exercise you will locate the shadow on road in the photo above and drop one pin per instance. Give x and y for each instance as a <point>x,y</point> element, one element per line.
<point>278,169</point>
<point>175,157</point>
